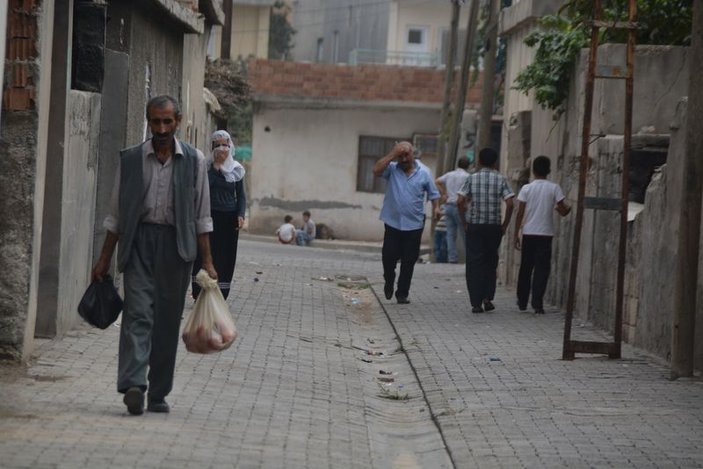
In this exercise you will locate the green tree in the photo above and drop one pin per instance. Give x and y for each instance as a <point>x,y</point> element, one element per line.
<point>281,32</point>
<point>226,79</point>
<point>662,22</point>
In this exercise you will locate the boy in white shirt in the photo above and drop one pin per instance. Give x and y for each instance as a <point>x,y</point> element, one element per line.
<point>536,204</point>
<point>286,232</point>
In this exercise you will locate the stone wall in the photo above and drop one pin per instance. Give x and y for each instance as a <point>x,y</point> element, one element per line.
<point>17,172</point>
<point>25,116</point>
<point>660,82</point>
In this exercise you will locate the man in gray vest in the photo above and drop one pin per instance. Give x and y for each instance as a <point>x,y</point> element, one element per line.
<point>160,213</point>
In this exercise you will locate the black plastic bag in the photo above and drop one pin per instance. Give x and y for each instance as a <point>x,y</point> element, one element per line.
<point>101,304</point>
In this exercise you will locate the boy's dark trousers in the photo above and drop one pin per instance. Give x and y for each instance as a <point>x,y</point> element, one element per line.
<point>403,246</point>
<point>535,265</point>
<point>482,242</point>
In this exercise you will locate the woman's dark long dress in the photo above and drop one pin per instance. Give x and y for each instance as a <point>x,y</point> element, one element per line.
<point>227,204</point>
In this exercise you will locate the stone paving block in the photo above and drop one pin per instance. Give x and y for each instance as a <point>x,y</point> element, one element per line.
<point>294,391</point>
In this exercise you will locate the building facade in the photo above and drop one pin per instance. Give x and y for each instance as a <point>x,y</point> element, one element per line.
<point>81,74</point>
<point>319,128</point>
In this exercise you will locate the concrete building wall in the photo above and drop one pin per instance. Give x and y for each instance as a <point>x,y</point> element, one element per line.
<point>78,204</point>
<point>308,159</point>
<point>516,23</point>
<point>433,15</point>
<point>197,122</point>
<point>660,77</point>
<point>308,18</point>
<point>155,67</point>
<point>250,31</point>
<point>343,25</point>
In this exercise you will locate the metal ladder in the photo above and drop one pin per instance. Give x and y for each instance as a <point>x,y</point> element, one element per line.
<point>612,349</point>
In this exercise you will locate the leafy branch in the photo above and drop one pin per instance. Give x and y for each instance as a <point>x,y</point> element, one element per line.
<point>664,22</point>
<point>549,74</point>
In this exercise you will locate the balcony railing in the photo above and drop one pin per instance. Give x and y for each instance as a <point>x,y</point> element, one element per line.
<point>391,57</point>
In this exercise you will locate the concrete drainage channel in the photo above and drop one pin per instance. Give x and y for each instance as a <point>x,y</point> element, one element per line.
<point>402,430</point>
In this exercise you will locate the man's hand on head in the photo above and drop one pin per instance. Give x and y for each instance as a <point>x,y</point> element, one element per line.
<point>401,148</point>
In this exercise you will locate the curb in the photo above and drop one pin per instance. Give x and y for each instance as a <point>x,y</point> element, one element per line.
<point>337,244</point>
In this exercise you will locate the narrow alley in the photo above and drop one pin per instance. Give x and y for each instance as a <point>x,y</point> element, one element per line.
<point>326,373</point>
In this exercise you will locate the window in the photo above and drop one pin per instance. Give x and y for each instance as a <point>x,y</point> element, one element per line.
<point>320,51</point>
<point>426,144</point>
<point>427,148</point>
<point>370,150</point>
<point>417,46</point>
<point>335,48</point>
<point>415,36</point>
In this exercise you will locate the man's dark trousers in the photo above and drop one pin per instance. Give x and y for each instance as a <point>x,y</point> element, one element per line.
<point>155,280</point>
<point>403,246</point>
<point>482,242</point>
<point>535,264</point>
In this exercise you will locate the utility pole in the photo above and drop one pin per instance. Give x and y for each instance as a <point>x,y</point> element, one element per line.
<point>226,51</point>
<point>463,85</point>
<point>489,72</point>
<point>684,305</point>
<point>448,83</point>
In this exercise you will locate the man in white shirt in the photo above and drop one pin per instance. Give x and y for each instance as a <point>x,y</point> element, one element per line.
<point>449,184</point>
<point>537,202</point>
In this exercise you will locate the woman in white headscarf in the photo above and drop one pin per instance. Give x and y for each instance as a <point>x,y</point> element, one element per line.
<point>227,206</point>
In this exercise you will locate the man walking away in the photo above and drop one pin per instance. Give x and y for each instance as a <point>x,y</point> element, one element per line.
<point>484,189</point>
<point>160,213</point>
<point>536,204</point>
<point>449,184</point>
<point>408,183</point>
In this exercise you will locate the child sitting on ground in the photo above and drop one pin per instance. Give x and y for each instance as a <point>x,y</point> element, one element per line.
<point>286,232</point>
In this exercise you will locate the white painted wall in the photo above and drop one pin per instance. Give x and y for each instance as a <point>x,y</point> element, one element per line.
<point>436,15</point>
<point>308,159</point>
<point>250,31</point>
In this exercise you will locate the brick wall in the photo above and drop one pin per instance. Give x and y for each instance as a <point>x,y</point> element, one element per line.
<point>21,53</point>
<point>359,82</point>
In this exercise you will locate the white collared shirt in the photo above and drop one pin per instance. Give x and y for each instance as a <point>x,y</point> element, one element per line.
<point>158,196</point>
<point>454,181</point>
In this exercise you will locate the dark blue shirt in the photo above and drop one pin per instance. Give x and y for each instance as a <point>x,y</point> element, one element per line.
<point>226,196</point>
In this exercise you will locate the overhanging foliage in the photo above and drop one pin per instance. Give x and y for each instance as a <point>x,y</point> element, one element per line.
<point>562,36</point>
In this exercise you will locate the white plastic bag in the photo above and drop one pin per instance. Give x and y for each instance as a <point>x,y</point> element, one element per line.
<point>210,327</point>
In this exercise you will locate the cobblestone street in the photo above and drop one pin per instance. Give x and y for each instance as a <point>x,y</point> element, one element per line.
<point>327,373</point>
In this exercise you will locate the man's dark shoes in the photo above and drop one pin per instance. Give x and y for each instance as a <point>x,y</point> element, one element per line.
<point>158,405</point>
<point>522,308</point>
<point>477,309</point>
<point>403,300</point>
<point>539,310</point>
<point>388,290</point>
<point>134,400</point>
<point>488,305</point>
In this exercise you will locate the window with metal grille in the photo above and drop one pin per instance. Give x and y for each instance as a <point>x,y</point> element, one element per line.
<point>416,36</point>
<point>370,150</point>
